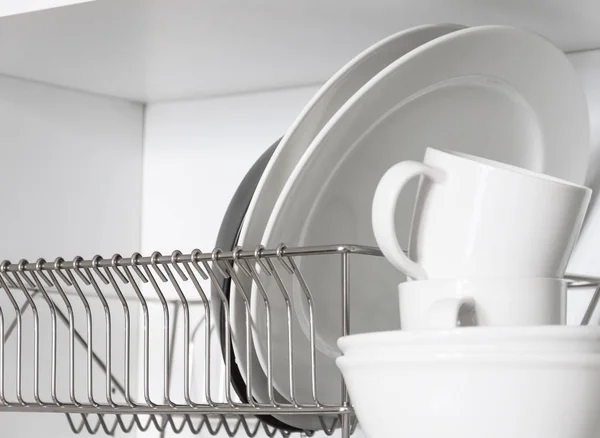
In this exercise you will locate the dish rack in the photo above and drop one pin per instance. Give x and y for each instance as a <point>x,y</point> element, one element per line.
<point>130,343</point>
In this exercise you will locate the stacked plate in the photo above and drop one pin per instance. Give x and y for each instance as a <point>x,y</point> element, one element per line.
<point>494,91</point>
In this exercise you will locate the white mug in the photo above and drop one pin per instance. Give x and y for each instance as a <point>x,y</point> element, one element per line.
<point>475,217</point>
<point>519,302</point>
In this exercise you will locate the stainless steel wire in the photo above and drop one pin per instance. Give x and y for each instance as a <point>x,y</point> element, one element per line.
<point>129,343</point>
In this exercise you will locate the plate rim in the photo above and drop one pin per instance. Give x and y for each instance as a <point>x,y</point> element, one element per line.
<point>425,32</point>
<point>460,34</point>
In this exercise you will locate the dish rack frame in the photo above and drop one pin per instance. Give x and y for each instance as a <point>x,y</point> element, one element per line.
<point>98,302</point>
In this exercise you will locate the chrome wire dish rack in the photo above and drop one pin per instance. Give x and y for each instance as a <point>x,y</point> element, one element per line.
<point>122,344</point>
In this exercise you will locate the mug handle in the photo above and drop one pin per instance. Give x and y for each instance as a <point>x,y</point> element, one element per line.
<point>383,213</point>
<point>451,312</point>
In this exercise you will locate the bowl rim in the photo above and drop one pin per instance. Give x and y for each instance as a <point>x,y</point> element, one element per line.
<point>472,335</point>
<point>471,358</point>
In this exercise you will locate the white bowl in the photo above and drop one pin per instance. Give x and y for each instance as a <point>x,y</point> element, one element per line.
<point>476,396</point>
<point>539,339</point>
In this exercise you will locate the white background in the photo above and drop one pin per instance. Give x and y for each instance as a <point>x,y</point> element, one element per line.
<point>82,174</point>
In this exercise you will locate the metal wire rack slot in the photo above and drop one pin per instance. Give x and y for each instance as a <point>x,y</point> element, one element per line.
<point>131,343</point>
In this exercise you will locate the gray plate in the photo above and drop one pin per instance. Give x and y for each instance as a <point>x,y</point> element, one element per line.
<point>226,240</point>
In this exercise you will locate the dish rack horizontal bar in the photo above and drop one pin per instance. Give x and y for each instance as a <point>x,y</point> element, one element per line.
<point>194,257</point>
<point>138,342</point>
<point>216,409</point>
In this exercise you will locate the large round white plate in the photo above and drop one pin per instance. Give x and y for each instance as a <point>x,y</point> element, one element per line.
<point>314,116</point>
<point>493,91</point>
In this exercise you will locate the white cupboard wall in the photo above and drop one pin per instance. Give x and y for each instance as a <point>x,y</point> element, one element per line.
<point>82,174</point>
<point>71,184</point>
<point>195,155</point>
<point>70,172</point>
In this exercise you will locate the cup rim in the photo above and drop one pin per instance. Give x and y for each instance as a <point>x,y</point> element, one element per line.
<point>504,167</point>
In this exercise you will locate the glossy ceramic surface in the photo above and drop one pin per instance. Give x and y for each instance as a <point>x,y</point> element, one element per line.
<point>333,95</point>
<point>489,302</point>
<point>474,395</point>
<point>494,91</point>
<point>479,218</point>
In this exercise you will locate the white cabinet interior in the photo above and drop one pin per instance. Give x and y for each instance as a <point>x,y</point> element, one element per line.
<point>149,50</point>
<point>84,173</point>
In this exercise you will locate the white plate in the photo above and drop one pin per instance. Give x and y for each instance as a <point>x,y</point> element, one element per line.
<point>314,116</point>
<point>493,91</point>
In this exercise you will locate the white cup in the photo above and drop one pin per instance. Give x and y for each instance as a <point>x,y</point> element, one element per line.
<point>443,304</point>
<point>475,217</point>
